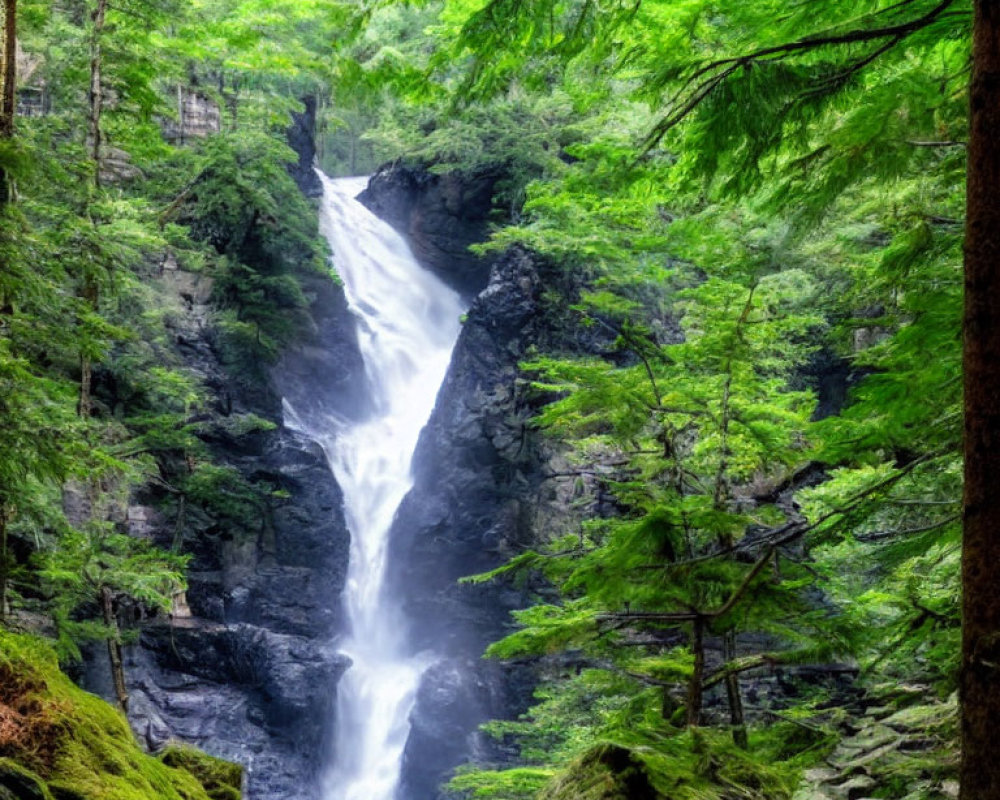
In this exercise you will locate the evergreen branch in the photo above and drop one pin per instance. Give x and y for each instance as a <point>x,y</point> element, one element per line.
<point>695,615</point>
<point>879,536</point>
<point>928,613</point>
<point>724,67</point>
<point>737,595</point>
<point>636,348</point>
<point>650,616</point>
<point>691,412</point>
<point>933,219</point>
<point>956,143</point>
<point>800,723</point>
<point>834,82</point>
<point>648,680</point>
<point>912,502</point>
<point>164,216</point>
<point>704,90</point>
<point>741,665</point>
<point>851,37</point>
<point>790,531</point>
<point>857,499</point>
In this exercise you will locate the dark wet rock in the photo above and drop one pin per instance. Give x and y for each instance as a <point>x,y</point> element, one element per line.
<point>241,692</point>
<point>441,216</point>
<point>454,697</point>
<point>322,371</point>
<point>302,139</point>
<point>481,495</point>
<point>472,463</point>
<point>246,671</point>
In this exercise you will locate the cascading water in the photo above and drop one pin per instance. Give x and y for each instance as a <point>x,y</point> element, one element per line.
<point>407,322</point>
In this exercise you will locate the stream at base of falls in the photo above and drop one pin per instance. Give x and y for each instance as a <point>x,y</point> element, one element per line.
<point>407,323</point>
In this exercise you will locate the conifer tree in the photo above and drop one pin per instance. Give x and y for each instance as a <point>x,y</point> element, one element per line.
<point>980,687</point>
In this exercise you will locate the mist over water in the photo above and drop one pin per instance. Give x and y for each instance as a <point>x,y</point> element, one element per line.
<point>407,323</point>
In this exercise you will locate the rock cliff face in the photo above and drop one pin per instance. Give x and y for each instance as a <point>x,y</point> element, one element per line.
<point>198,116</point>
<point>485,490</point>
<point>245,668</point>
<point>441,215</point>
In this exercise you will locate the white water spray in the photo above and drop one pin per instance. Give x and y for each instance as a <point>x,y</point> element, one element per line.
<point>407,322</point>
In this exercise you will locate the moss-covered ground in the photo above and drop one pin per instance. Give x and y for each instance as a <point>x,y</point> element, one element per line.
<point>58,742</point>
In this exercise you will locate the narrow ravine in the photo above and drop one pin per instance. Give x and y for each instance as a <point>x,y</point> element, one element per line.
<point>407,323</point>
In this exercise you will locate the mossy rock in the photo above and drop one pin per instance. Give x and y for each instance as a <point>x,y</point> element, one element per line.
<point>18,783</point>
<point>607,772</point>
<point>222,779</point>
<point>78,746</point>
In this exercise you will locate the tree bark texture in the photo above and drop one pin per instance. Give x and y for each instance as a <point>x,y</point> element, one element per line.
<point>695,686</point>
<point>91,294</point>
<point>114,648</point>
<point>96,95</point>
<point>8,103</point>
<point>8,91</point>
<point>736,716</point>
<point>980,672</point>
<point>4,564</point>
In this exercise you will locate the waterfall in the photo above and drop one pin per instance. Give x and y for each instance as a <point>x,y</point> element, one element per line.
<point>407,323</point>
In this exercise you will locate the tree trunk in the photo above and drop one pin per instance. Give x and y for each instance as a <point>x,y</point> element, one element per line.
<point>96,94</point>
<point>980,673</point>
<point>8,108</point>
<point>114,649</point>
<point>86,373</point>
<point>733,693</point>
<point>8,95</point>
<point>91,295</point>
<point>4,566</point>
<point>694,694</point>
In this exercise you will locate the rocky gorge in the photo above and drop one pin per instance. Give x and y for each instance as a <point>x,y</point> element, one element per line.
<point>247,668</point>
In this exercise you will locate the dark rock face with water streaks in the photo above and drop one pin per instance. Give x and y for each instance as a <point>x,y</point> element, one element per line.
<point>245,669</point>
<point>481,495</point>
<point>302,139</point>
<point>440,215</point>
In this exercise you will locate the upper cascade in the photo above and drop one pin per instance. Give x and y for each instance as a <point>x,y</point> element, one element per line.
<point>408,322</point>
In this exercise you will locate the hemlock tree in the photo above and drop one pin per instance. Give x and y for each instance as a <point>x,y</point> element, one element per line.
<point>8,88</point>
<point>98,568</point>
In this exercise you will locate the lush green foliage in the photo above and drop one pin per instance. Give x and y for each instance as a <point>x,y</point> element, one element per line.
<point>764,203</point>
<point>100,266</point>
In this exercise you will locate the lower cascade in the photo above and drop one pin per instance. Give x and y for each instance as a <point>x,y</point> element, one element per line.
<point>407,323</point>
